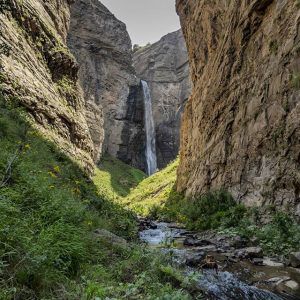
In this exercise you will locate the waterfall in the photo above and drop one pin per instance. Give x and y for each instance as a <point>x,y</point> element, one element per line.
<point>150,131</point>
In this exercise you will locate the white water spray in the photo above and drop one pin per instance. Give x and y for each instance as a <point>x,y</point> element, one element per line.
<point>150,131</point>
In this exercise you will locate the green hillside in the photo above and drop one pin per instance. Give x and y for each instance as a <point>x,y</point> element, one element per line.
<point>153,195</point>
<point>49,210</point>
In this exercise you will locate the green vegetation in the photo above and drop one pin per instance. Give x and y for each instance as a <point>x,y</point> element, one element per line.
<point>212,211</point>
<point>155,197</point>
<point>137,47</point>
<point>280,236</point>
<point>5,49</point>
<point>273,47</point>
<point>152,194</point>
<point>115,179</point>
<point>67,86</point>
<point>4,6</point>
<point>49,210</point>
<point>296,80</point>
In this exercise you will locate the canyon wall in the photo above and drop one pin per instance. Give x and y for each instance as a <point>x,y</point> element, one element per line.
<point>164,65</point>
<point>38,69</point>
<point>113,96</point>
<point>241,126</point>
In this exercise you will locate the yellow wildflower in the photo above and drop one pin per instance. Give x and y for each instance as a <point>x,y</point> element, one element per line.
<point>52,174</point>
<point>56,169</point>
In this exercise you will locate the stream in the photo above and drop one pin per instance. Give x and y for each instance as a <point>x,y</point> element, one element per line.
<point>235,280</point>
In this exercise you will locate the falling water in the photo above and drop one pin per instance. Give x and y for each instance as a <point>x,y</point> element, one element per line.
<point>150,131</point>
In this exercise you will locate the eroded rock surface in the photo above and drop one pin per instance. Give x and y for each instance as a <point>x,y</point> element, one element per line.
<point>114,102</point>
<point>241,126</point>
<point>41,73</point>
<point>164,65</point>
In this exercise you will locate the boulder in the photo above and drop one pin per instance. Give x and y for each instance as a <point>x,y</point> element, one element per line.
<point>238,242</point>
<point>193,242</point>
<point>146,224</point>
<point>257,261</point>
<point>287,286</point>
<point>250,252</point>
<point>195,259</point>
<point>209,248</point>
<point>295,259</point>
<point>277,280</point>
<point>271,263</point>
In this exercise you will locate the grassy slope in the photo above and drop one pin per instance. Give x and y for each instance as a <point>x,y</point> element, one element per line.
<point>48,211</point>
<point>115,179</point>
<point>154,193</point>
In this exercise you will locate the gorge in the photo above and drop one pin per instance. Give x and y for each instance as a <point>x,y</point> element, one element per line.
<point>192,142</point>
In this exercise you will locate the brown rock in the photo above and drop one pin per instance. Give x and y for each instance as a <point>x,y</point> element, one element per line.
<point>41,73</point>
<point>113,97</point>
<point>295,259</point>
<point>241,126</point>
<point>164,65</point>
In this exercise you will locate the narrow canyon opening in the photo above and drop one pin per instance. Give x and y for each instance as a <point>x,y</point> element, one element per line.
<point>150,149</point>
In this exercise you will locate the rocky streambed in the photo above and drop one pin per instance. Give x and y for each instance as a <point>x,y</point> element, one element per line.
<point>243,270</point>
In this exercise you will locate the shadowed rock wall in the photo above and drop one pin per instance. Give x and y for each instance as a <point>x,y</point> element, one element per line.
<point>241,126</point>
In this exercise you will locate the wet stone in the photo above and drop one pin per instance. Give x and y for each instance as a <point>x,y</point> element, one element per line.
<point>257,261</point>
<point>295,259</point>
<point>192,242</point>
<point>146,224</point>
<point>195,260</point>
<point>250,252</point>
<point>238,242</point>
<point>287,286</point>
<point>271,263</point>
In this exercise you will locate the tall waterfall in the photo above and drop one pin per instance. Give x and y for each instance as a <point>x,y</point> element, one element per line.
<point>150,131</point>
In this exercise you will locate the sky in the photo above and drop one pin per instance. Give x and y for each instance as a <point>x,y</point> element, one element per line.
<point>146,20</point>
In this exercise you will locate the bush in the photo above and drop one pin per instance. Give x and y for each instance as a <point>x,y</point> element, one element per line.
<point>281,235</point>
<point>213,210</point>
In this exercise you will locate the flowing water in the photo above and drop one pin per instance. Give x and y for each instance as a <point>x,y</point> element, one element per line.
<point>222,285</point>
<point>150,131</point>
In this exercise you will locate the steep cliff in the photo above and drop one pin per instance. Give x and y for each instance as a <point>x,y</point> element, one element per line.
<point>38,69</point>
<point>102,46</point>
<point>241,126</point>
<point>164,65</point>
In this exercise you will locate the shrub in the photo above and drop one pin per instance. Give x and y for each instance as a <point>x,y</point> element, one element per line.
<point>296,80</point>
<point>281,235</point>
<point>273,47</point>
<point>212,210</point>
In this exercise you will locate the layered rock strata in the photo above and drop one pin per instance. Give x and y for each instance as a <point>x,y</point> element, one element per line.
<point>102,47</point>
<point>38,69</point>
<point>164,65</point>
<point>241,126</point>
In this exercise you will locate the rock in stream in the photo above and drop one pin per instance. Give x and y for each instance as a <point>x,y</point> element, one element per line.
<point>242,273</point>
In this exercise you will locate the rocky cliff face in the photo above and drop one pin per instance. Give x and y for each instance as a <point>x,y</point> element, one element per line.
<point>102,47</point>
<point>38,69</point>
<point>164,65</point>
<point>241,126</point>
